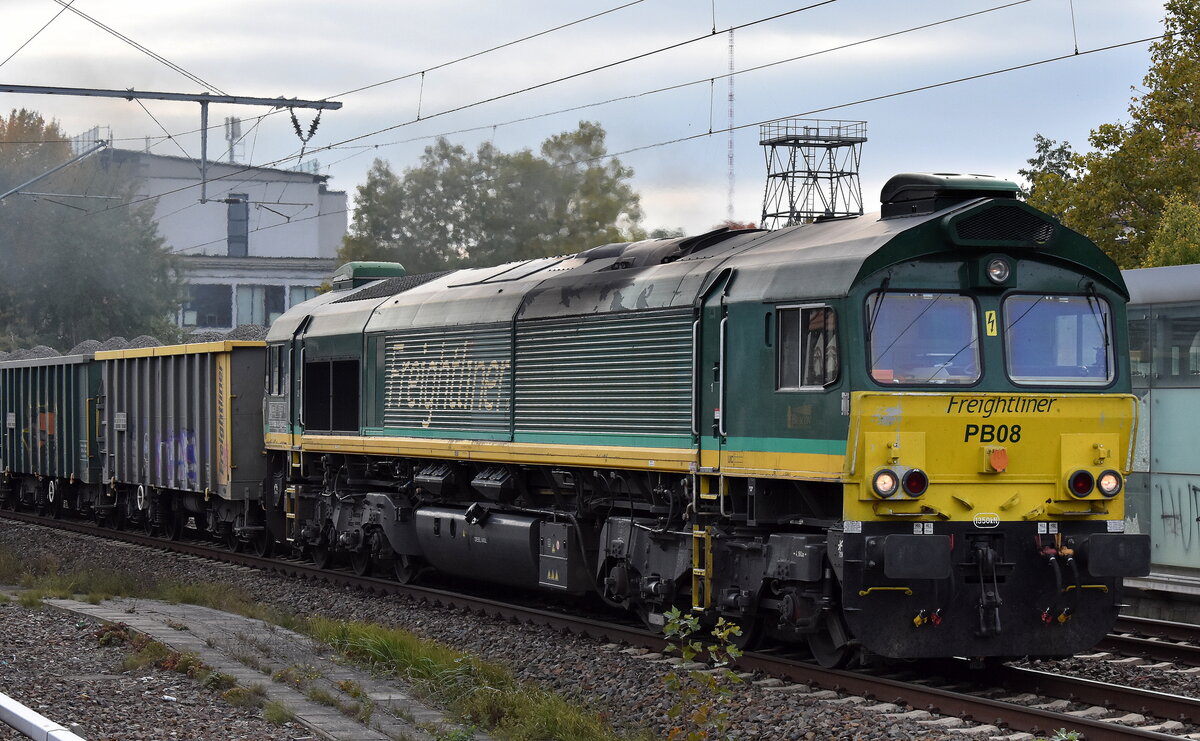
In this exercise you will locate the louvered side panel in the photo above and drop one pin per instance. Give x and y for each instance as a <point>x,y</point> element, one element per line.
<point>448,379</point>
<point>625,374</point>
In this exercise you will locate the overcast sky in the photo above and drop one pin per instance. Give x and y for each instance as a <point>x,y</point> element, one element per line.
<point>317,50</point>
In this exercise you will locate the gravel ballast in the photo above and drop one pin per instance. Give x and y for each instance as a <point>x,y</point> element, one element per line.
<point>627,689</point>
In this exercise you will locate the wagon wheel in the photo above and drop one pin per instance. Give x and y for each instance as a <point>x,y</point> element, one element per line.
<point>54,500</point>
<point>143,501</point>
<point>117,516</point>
<point>231,541</point>
<point>99,514</point>
<point>172,524</point>
<point>407,569</point>
<point>360,561</point>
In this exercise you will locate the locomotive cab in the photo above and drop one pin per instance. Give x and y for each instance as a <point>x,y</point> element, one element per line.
<point>992,399</point>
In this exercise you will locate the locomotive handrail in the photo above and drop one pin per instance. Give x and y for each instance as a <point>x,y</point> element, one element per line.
<point>695,377</point>
<point>721,378</point>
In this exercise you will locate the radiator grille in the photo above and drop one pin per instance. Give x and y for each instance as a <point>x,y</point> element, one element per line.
<point>1005,224</point>
<point>449,379</point>
<point>391,286</point>
<point>621,374</point>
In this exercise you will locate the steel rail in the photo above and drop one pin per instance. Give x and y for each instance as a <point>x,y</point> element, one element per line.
<point>920,696</point>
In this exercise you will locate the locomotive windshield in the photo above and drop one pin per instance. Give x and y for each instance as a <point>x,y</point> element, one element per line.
<point>1058,340</point>
<point>922,338</point>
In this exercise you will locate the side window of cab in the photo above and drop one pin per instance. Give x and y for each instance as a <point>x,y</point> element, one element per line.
<point>807,347</point>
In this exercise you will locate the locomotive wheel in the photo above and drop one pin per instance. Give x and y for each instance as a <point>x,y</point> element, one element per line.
<point>263,543</point>
<point>360,561</point>
<point>830,645</point>
<point>322,556</point>
<point>752,634</point>
<point>407,569</point>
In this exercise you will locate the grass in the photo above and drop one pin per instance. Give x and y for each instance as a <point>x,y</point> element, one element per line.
<point>480,694</point>
<point>277,713</point>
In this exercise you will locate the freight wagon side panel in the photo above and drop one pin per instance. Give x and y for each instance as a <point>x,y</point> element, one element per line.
<point>45,417</point>
<point>185,417</point>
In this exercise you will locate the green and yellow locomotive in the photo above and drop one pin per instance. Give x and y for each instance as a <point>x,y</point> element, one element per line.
<point>902,434</point>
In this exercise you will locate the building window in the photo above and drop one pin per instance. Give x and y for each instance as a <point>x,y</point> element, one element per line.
<point>808,349</point>
<point>300,294</point>
<point>208,305</point>
<point>238,224</point>
<point>259,304</point>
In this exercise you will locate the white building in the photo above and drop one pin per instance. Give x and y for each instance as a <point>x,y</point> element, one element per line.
<point>263,240</point>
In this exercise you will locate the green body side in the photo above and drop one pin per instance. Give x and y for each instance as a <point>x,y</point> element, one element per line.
<point>597,348</point>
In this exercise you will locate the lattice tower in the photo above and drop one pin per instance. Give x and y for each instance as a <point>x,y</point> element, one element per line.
<point>812,170</point>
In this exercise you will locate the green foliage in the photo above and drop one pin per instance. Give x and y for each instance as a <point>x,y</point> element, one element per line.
<point>479,693</point>
<point>1050,158</point>
<point>1062,734</point>
<point>1177,241</point>
<point>76,268</point>
<point>1117,194</point>
<point>243,697</point>
<point>488,207</point>
<point>11,567</point>
<point>703,697</point>
<point>277,713</point>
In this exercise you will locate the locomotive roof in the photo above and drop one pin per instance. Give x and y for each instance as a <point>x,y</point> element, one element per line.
<point>819,260</point>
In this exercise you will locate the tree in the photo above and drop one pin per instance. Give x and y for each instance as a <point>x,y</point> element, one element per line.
<point>76,269</point>
<point>1117,193</point>
<point>734,225</point>
<point>488,207</point>
<point>1177,240</point>
<point>1050,157</point>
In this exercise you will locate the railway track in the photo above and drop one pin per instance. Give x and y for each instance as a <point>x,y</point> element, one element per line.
<point>1003,701</point>
<point>1154,640</point>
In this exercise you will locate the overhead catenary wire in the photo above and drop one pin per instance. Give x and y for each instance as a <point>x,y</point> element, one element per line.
<point>36,34</point>
<point>442,65</point>
<point>153,55</point>
<point>164,128</point>
<point>592,70</point>
<point>489,50</point>
<point>884,96</point>
<point>710,81</point>
<point>578,74</point>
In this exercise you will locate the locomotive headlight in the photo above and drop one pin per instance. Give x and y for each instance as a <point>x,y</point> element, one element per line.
<point>1080,484</point>
<point>885,483</point>
<point>998,271</point>
<point>1109,483</point>
<point>915,482</point>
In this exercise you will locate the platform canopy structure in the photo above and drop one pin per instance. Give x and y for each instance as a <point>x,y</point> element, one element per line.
<point>812,170</point>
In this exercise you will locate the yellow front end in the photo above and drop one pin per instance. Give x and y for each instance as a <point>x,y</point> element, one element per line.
<point>988,457</point>
<point>982,524</point>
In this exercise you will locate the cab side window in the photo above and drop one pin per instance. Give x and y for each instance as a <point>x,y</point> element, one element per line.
<point>807,347</point>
